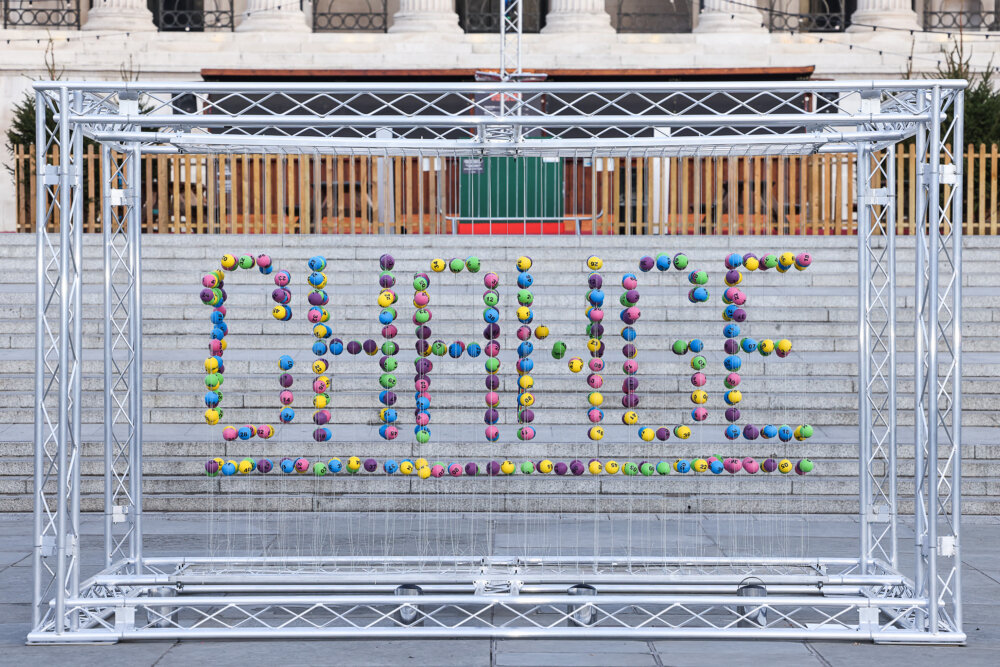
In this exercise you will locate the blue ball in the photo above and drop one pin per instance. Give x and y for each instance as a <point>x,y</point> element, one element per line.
<point>769,431</point>
<point>525,349</point>
<point>319,348</point>
<point>474,349</point>
<point>716,467</point>
<point>700,294</point>
<point>223,326</point>
<point>390,466</point>
<point>734,261</point>
<point>732,431</point>
<point>334,465</point>
<point>423,403</point>
<point>244,433</point>
<point>218,333</point>
<point>525,280</point>
<point>386,397</point>
<point>730,310</point>
<point>683,466</point>
<point>596,297</point>
<point>286,415</point>
<point>748,345</point>
<point>316,279</point>
<point>211,399</point>
<point>785,433</point>
<point>386,317</point>
<point>317,263</point>
<point>286,362</point>
<point>525,365</point>
<point>287,466</point>
<point>266,270</point>
<point>732,363</point>
<point>336,346</point>
<point>228,469</point>
<point>491,315</point>
<point>390,416</point>
<point>731,330</point>
<point>696,345</point>
<point>628,333</point>
<point>217,316</point>
<point>663,262</point>
<point>455,350</point>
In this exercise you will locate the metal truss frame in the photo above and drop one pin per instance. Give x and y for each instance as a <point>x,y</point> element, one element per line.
<point>861,598</point>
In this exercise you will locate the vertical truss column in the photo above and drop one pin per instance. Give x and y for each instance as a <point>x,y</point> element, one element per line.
<point>876,176</point>
<point>58,367</point>
<point>119,174</point>
<point>511,27</point>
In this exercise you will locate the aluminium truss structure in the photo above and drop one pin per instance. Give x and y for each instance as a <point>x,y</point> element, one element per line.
<point>864,597</point>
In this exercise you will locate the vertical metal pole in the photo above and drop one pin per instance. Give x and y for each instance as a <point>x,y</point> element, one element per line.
<point>41,220</point>
<point>956,333</point>
<point>890,224</point>
<point>63,414</point>
<point>920,224</point>
<point>934,231</point>
<point>864,415</point>
<point>109,444</point>
<point>77,385</point>
<point>135,335</point>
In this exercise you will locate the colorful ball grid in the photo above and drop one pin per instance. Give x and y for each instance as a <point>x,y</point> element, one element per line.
<point>425,469</point>
<point>388,363</point>
<point>594,314</point>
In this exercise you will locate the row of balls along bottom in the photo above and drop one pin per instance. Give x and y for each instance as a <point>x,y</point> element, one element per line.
<point>426,469</point>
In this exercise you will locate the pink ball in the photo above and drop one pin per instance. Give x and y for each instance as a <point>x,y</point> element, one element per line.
<point>750,465</point>
<point>732,466</point>
<point>523,333</point>
<point>492,348</point>
<point>595,380</point>
<point>423,419</point>
<point>263,260</point>
<point>301,465</point>
<point>596,315</point>
<point>803,259</point>
<point>286,397</point>
<point>282,278</point>
<point>739,298</point>
<point>215,347</point>
<point>732,380</point>
<point>596,365</point>
<point>633,313</point>
<point>492,399</point>
<point>264,431</point>
<point>700,414</point>
<point>455,470</point>
<point>229,433</point>
<point>491,280</point>
<point>527,433</point>
<point>422,384</point>
<point>492,433</point>
<point>631,367</point>
<point>710,459</point>
<point>699,379</point>
<point>437,471</point>
<point>421,299</point>
<point>208,281</point>
<point>629,282</point>
<point>389,331</point>
<point>319,386</point>
<point>391,432</point>
<point>315,315</point>
<point>595,415</point>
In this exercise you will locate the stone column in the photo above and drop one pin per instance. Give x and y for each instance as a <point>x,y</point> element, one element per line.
<point>576,16</point>
<point>434,16</point>
<point>888,13</point>
<point>276,16</point>
<point>118,15</point>
<point>725,16</point>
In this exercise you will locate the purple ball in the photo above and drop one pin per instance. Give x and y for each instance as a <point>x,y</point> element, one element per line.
<point>354,347</point>
<point>628,349</point>
<point>386,281</point>
<point>662,433</point>
<point>526,416</point>
<point>732,414</point>
<point>739,315</point>
<point>319,435</point>
<point>386,262</point>
<point>493,468</point>
<point>647,263</point>
<point>316,298</point>
<point>595,281</point>
<point>371,465</point>
<point>596,330</point>
<point>750,432</point>
<point>731,346</point>
<point>577,467</point>
<point>630,384</point>
<point>769,465</point>
<point>600,351</point>
<point>389,398</point>
<point>424,365</point>
<point>423,332</point>
<point>632,296</point>
<point>491,331</point>
<point>264,465</point>
<point>491,416</point>
<point>471,468</point>
<point>286,380</point>
<point>421,346</point>
<point>281,296</point>
<point>212,467</point>
<point>370,346</point>
<point>321,417</point>
<point>561,468</point>
<point>732,277</point>
<point>207,295</point>
<point>492,382</point>
<point>630,400</point>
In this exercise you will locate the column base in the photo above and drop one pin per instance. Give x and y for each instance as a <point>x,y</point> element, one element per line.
<point>729,22</point>
<point>903,19</point>
<point>435,22</point>
<point>274,21</point>
<point>119,20</point>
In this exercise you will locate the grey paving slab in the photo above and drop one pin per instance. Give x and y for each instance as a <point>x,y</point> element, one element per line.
<point>773,654</point>
<point>867,655</point>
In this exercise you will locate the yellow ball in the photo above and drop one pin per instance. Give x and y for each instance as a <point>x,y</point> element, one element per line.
<point>354,463</point>
<point>438,265</point>
<point>784,346</point>
<point>647,434</point>
<point>594,467</point>
<point>630,418</point>
<point>228,261</point>
<point>525,382</point>
<point>611,467</point>
<point>765,346</point>
<point>424,472</point>
<point>212,416</point>
<point>786,259</point>
<point>523,263</point>
<point>386,298</point>
<point>507,467</point>
<point>211,365</point>
<point>324,379</point>
<point>576,364</point>
<point>541,332</point>
<point>682,432</point>
<point>320,366</point>
<point>594,263</point>
<point>523,313</point>
<point>526,400</point>
<point>593,344</point>
<point>421,463</point>
<point>320,401</point>
<point>734,396</point>
<point>595,432</point>
<point>545,466</point>
<point>221,462</point>
<point>245,467</point>
<point>406,468</point>
<point>700,465</point>
<point>595,398</point>
<point>699,396</point>
<point>784,466</point>
<point>279,312</point>
<point>321,331</point>
<point>752,264</point>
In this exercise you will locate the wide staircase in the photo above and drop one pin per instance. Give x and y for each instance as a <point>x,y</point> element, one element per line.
<point>816,384</point>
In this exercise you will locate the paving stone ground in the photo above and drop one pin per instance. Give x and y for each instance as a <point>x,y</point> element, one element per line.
<point>981,587</point>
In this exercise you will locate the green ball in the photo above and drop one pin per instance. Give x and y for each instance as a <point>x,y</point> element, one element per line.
<point>456,265</point>
<point>387,380</point>
<point>699,277</point>
<point>491,298</point>
<point>680,347</point>
<point>525,298</point>
<point>558,349</point>
<point>319,468</point>
<point>390,364</point>
<point>663,468</point>
<point>439,348</point>
<point>527,467</point>
<point>420,284</point>
<point>422,316</point>
<point>698,363</point>
<point>389,348</point>
<point>623,300</point>
<point>423,436</point>
<point>805,430</point>
<point>630,469</point>
<point>213,378</point>
<point>472,264</point>
<point>246,262</point>
<point>647,469</point>
<point>805,465</point>
<point>770,261</point>
<point>680,261</point>
<point>492,365</point>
